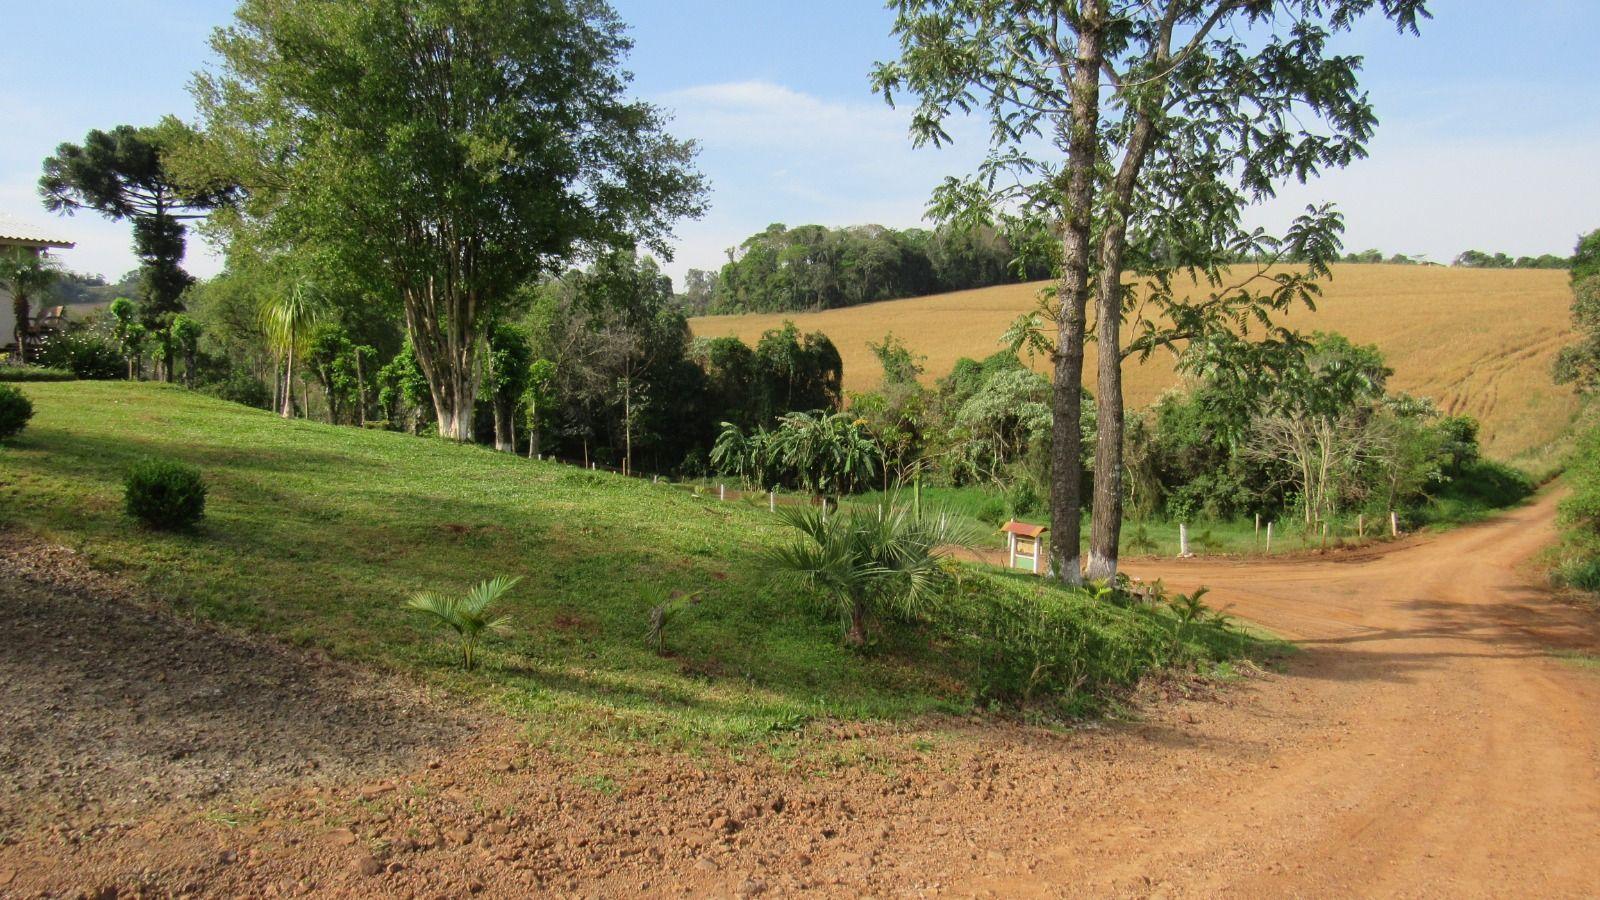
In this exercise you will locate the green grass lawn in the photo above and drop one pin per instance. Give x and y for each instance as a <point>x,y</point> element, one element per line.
<point>318,533</point>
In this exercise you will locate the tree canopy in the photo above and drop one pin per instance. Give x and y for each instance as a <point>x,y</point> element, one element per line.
<point>128,173</point>
<point>442,154</point>
<point>1135,135</point>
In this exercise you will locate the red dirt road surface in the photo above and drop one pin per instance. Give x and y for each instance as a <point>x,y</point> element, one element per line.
<point>1428,741</point>
<point>1456,755</point>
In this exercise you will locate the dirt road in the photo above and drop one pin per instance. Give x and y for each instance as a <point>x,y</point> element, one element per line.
<point>1465,759</point>
<point>1426,742</point>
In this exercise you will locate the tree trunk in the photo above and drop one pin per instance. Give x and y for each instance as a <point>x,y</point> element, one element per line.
<point>1072,296</point>
<point>361,394</point>
<point>453,404</point>
<point>627,426</point>
<point>533,430</point>
<point>19,308</point>
<point>505,439</point>
<point>1110,416</point>
<point>856,636</point>
<point>288,379</point>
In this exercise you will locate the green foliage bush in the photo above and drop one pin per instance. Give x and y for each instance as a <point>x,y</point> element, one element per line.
<point>468,615</point>
<point>1579,554</point>
<point>1582,574</point>
<point>991,510</point>
<point>15,411</point>
<point>33,373</point>
<point>165,494</point>
<point>1494,484</point>
<point>1024,498</point>
<point>240,387</point>
<point>1036,642</point>
<point>85,355</point>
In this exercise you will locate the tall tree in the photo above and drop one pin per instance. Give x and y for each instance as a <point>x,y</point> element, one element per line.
<point>127,173</point>
<point>443,152</point>
<point>1140,132</point>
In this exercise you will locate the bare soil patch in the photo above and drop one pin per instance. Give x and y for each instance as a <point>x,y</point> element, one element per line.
<point>109,706</point>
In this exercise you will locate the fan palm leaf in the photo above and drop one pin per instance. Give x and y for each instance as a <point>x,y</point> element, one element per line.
<point>467,615</point>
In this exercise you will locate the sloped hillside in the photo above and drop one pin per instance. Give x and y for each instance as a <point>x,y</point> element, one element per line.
<point>1477,341</point>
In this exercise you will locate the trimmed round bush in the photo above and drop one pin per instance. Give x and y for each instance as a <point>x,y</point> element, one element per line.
<point>15,411</point>
<point>165,494</point>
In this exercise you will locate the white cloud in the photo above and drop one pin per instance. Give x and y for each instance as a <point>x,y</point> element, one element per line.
<point>775,154</point>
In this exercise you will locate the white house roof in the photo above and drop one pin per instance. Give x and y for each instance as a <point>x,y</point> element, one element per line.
<point>16,233</point>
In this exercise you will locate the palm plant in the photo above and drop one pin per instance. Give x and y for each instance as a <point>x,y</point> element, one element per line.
<point>24,273</point>
<point>877,563</point>
<point>287,318</point>
<point>468,615</point>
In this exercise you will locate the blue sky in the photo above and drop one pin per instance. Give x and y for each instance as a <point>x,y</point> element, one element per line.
<point>1490,134</point>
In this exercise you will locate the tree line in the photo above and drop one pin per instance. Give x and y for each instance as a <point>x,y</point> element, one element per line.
<point>813,267</point>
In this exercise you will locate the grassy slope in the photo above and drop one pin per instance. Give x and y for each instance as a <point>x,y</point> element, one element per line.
<point>1476,341</point>
<point>317,533</point>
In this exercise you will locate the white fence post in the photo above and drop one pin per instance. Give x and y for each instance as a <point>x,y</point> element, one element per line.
<point>722,492</point>
<point>772,501</point>
<point>1394,524</point>
<point>1269,537</point>
<point>1183,541</point>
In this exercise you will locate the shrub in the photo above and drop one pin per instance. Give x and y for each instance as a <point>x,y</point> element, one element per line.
<point>240,387</point>
<point>1491,483</point>
<point>991,510</point>
<point>165,494</point>
<point>33,373</point>
<point>85,355</point>
<point>15,411</point>
<point>1037,641</point>
<point>882,563</point>
<point>1023,498</point>
<point>1034,641</point>
<point>667,606</point>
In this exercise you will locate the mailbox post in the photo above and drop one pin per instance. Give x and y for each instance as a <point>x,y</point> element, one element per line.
<point>1025,546</point>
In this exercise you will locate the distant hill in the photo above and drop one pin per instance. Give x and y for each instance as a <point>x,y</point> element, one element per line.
<point>1477,341</point>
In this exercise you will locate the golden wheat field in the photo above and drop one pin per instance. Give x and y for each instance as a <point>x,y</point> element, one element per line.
<point>1476,341</point>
